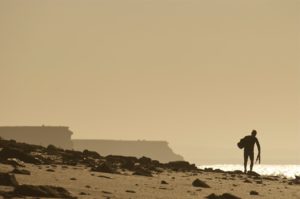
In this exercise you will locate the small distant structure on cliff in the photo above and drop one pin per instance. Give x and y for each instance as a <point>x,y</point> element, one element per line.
<point>156,150</point>
<point>59,136</point>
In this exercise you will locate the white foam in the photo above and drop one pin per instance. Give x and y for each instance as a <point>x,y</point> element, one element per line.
<point>289,171</point>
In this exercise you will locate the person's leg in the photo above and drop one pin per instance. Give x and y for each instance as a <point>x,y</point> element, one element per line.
<point>245,161</point>
<point>252,160</point>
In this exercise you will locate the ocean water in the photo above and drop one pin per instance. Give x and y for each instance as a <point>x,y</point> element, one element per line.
<point>289,171</point>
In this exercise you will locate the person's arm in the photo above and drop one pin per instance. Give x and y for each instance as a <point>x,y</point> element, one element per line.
<point>258,147</point>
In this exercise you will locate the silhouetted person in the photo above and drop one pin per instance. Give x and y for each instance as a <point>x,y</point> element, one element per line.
<point>249,143</point>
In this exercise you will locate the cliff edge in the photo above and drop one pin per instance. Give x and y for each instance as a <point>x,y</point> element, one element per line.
<point>157,150</point>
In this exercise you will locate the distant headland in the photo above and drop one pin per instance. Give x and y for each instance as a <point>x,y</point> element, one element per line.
<point>61,136</point>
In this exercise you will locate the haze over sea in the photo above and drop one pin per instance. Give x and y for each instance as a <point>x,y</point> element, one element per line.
<point>289,171</point>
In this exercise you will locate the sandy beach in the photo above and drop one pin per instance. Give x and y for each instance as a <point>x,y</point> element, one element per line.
<point>96,178</point>
<point>83,183</point>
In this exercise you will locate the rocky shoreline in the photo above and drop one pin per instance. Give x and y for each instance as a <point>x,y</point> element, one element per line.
<point>50,172</point>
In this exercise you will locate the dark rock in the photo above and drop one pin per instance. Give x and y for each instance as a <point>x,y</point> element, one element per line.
<point>71,157</point>
<point>156,163</point>
<point>223,196</point>
<point>18,154</point>
<point>116,159</point>
<point>237,172</point>
<point>295,181</point>
<point>145,161</point>
<point>129,165</point>
<point>90,162</point>
<point>252,173</point>
<point>103,167</point>
<point>181,166</point>
<point>259,182</point>
<point>218,171</point>
<point>254,193</point>
<point>269,178</point>
<point>130,191</point>
<point>123,162</point>
<point>142,172</point>
<point>21,171</point>
<point>14,162</point>
<point>247,181</point>
<point>50,170</point>
<point>7,179</point>
<point>91,154</point>
<point>163,182</point>
<point>73,179</point>
<point>53,150</point>
<point>209,169</point>
<point>26,148</point>
<point>106,192</point>
<point>200,183</point>
<point>101,176</point>
<point>42,191</point>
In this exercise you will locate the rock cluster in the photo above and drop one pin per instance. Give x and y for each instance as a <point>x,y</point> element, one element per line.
<point>15,153</point>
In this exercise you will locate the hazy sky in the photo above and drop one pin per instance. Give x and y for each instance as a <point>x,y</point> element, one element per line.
<point>198,73</point>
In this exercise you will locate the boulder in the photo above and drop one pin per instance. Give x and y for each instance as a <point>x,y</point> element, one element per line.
<point>145,161</point>
<point>53,150</point>
<point>7,179</point>
<point>181,166</point>
<point>223,196</point>
<point>252,173</point>
<point>129,165</point>
<point>21,171</point>
<point>26,148</point>
<point>200,183</point>
<point>71,157</point>
<point>247,181</point>
<point>116,159</point>
<point>41,191</point>
<point>236,172</point>
<point>6,153</point>
<point>142,172</point>
<point>14,162</point>
<point>91,154</point>
<point>103,167</point>
<point>254,193</point>
<point>218,171</point>
<point>209,169</point>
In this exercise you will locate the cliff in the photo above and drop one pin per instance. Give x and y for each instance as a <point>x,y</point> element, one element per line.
<point>157,150</point>
<point>59,136</point>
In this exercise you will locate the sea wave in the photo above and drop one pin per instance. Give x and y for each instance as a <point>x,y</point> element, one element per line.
<point>288,171</point>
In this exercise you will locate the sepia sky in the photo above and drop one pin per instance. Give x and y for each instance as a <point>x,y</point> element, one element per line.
<point>200,74</point>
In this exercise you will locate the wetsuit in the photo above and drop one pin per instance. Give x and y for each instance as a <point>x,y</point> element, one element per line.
<point>249,150</point>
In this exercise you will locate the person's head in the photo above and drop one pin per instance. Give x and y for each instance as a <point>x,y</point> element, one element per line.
<point>253,133</point>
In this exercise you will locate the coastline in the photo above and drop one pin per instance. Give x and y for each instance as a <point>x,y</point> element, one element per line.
<point>28,171</point>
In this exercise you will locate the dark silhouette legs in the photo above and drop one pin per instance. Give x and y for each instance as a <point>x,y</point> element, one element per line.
<point>252,161</point>
<point>245,161</point>
<point>251,156</point>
